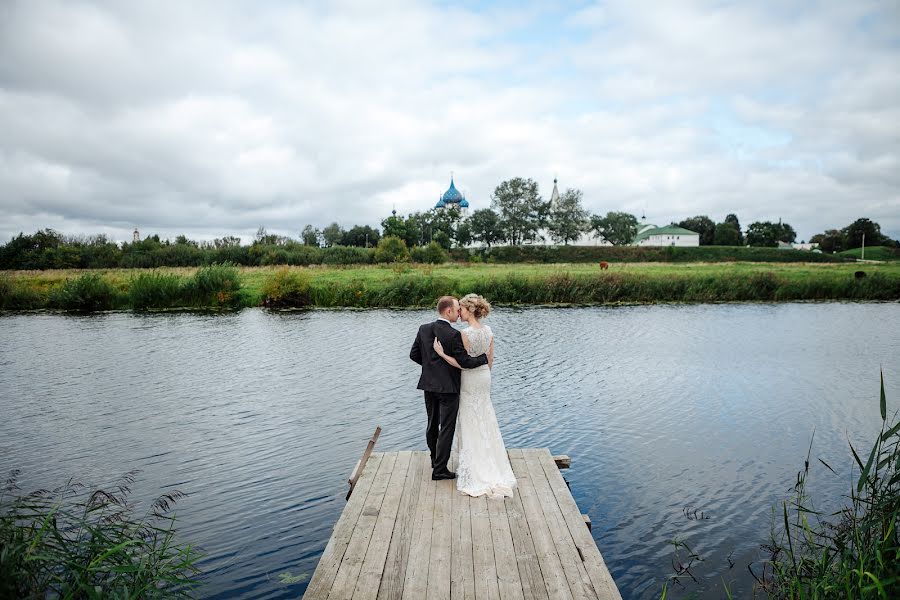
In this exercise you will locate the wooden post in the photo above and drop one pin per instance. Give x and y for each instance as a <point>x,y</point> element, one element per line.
<point>563,461</point>
<point>361,463</point>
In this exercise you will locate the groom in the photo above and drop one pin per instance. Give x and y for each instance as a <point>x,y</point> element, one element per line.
<point>440,381</point>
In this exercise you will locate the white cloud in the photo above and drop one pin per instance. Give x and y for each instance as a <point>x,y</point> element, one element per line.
<point>212,119</point>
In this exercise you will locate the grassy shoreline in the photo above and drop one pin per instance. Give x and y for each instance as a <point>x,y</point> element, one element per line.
<point>405,285</point>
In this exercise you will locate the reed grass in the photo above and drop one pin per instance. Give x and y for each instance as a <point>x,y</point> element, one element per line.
<point>90,292</point>
<point>405,285</point>
<point>851,553</point>
<point>76,543</point>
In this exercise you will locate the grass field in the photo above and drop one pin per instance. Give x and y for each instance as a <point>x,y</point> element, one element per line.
<point>873,253</point>
<point>419,285</point>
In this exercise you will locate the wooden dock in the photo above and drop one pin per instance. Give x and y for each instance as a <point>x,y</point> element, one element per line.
<point>404,536</point>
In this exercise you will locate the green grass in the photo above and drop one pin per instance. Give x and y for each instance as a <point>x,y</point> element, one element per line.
<point>406,285</point>
<point>873,253</point>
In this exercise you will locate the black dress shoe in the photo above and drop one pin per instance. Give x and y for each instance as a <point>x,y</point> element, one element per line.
<point>445,475</point>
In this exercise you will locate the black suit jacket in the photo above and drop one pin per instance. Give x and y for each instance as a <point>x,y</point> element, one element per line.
<point>437,374</point>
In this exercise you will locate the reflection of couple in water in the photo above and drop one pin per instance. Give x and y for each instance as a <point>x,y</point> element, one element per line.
<point>456,377</point>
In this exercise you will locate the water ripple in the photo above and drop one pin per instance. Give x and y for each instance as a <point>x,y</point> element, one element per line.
<point>260,417</point>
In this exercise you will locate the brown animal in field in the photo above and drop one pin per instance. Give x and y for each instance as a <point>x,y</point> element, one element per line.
<point>604,266</point>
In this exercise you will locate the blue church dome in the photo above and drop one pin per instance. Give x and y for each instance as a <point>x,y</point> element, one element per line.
<point>452,194</point>
<point>464,203</point>
<point>440,203</point>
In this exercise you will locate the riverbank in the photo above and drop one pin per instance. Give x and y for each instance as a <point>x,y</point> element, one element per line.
<point>404,285</point>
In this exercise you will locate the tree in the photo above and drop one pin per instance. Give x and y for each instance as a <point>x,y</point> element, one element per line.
<point>442,225</point>
<point>766,233</point>
<point>391,249</point>
<point>726,235</point>
<point>853,234</point>
<point>310,236</point>
<point>361,236</point>
<point>333,234</point>
<point>520,208</point>
<point>703,225</point>
<point>486,227</point>
<point>463,235</point>
<point>567,218</point>
<point>617,228</point>
<point>395,226</point>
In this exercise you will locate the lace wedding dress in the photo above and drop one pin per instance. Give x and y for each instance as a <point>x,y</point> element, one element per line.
<point>478,454</point>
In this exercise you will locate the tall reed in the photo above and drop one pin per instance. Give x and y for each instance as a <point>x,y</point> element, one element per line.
<point>87,293</point>
<point>852,553</point>
<point>75,543</point>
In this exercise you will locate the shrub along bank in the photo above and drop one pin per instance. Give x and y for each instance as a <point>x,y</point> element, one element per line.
<point>401,285</point>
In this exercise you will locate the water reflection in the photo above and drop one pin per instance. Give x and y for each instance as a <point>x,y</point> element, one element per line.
<point>260,417</point>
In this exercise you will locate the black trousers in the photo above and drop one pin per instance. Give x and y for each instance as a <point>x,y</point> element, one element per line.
<point>442,410</point>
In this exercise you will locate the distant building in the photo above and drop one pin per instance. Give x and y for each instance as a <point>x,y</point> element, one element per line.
<point>805,246</point>
<point>784,246</point>
<point>453,199</point>
<point>137,236</point>
<point>671,235</point>
<point>585,239</point>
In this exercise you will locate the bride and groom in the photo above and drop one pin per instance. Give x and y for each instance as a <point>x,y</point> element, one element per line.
<point>456,377</point>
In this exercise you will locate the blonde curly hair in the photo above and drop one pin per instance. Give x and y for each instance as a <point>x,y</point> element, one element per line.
<point>476,305</point>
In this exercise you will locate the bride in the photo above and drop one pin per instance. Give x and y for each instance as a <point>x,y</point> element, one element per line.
<point>483,467</point>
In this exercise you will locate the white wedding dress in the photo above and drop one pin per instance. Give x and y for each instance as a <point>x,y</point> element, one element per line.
<point>478,454</point>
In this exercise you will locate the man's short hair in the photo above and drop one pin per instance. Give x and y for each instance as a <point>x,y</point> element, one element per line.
<point>445,302</point>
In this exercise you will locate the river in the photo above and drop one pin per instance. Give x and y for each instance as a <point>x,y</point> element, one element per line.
<point>259,417</point>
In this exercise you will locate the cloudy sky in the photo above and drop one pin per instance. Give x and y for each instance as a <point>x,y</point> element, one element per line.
<point>216,118</point>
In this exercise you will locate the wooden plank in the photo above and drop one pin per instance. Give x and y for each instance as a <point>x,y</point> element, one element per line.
<point>593,559</point>
<point>462,569</point>
<point>587,521</point>
<point>483,551</point>
<point>373,565</point>
<point>416,580</point>
<point>398,553</point>
<point>327,569</point>
<point>351,564</point>
<point>504,554</point>
<point>439,564</point>
<point>576,574</point>
<point>361,463</point>
<point>533,587</point>
<point>548,559</point>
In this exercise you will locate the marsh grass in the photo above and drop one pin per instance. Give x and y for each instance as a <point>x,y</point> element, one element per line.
<point>851,553</point>
<point>402,284</point>
<point>88,293</point>
<point>156,290</point>
<point>286,288</point>
<point>72,542</point>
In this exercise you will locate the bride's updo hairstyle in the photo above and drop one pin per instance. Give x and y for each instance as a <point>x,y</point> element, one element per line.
<point>476,305</point>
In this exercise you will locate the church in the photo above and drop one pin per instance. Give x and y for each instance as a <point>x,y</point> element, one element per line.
<point>453,199</point>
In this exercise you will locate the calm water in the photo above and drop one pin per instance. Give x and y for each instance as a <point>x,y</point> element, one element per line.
<point>260,417</point>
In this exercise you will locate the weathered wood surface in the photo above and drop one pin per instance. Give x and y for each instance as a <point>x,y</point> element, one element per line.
<point>403,536</point>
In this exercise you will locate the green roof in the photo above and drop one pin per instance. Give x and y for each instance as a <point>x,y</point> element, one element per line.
<point>667,230</point>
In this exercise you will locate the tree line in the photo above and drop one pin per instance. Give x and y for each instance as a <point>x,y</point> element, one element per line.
<point>518,215</point>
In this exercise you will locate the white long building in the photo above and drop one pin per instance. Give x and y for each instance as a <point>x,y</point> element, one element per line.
<point>670,235</point>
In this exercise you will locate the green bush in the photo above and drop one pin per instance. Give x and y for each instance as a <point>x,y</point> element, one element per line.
<point>391,249</point>
<point>88,293</point>
<point>286,288</point>
<point>346,255</point>
<point>582,254</point>
<point>215,286</point>
<point>70,544</point>
<point>156,290</point>
<point>433,253</point>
